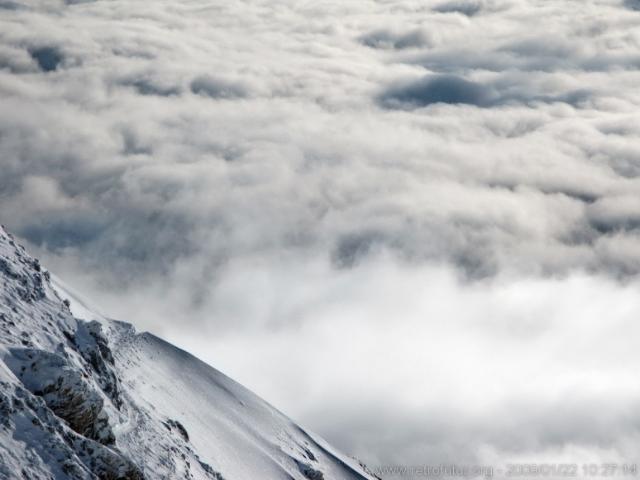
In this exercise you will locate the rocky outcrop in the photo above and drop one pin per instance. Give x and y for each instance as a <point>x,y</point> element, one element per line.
<point>94,348</point>
<point>309,472</point>
<point>176,425</point>
<point>70,454</point>
<point>65,391</point>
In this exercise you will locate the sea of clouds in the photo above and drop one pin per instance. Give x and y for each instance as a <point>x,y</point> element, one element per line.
<point>412,225</point>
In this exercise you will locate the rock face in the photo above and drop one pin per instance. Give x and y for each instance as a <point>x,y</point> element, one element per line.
<point>66,453</point>
<point>94,348</point>
<point>64,390</point>
<point>89,398</point>
<point>57,382</point>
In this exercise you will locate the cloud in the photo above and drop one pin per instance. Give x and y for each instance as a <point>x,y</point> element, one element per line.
<point>620,213</point>
<point>48,58</point>
<point>217,87</point>
<point>437,89</point>
<point>435,370</point>
<point>351,248</point>
<point>9,5</point>
<point>383,38</point>
<point>465,7</point>
<point>16,60</point>
<point>454,90</point>
<point>149,87</point>
<point>632,4</point>
<point>266,176</point>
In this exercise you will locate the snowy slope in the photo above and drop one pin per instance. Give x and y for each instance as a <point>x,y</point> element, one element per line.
<point>82,396</point>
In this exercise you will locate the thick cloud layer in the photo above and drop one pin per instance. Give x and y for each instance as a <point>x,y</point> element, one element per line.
<point>274,175</point>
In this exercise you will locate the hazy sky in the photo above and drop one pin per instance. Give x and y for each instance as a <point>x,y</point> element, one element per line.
<point>412,225</point>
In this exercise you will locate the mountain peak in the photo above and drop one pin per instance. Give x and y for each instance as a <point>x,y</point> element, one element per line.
<point>87,399</point>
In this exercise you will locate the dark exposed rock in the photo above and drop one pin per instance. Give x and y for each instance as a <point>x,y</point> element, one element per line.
<point>77,456</point>
<point>29,287</point>
<point>309,454</point>
<point>179,427</point>
<point>105,463</point>
<point>64,390</point>
<point>210,471</point>
<point>94,348</point>
<point>309,472</point>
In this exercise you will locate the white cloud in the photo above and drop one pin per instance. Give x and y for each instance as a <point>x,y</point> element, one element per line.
<point>180,159</point>
<point>410,365</point>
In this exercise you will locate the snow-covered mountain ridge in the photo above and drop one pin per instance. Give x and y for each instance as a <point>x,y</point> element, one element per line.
<point>85,397</point>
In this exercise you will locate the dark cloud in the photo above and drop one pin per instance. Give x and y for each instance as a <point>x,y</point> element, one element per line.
<point>465,7</point>
<point>437,89</point>
<point>133,145</point>
<point>63,232</point>
<point>454,90</point>
<point>388,39</point>
<point>148,87</point>
<point>9,5</point>
<point>618,214</point>
<point>217,87</point>
<point>632,4</point>
<point>48,58</point>
<point>350,249</point>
